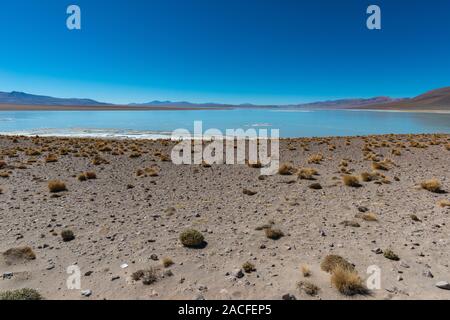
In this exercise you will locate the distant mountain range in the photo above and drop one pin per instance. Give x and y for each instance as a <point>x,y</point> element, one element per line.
<point>22,98</point>
<point>433,100</point>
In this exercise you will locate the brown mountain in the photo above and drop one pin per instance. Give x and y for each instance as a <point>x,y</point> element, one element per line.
<point>438,99</point>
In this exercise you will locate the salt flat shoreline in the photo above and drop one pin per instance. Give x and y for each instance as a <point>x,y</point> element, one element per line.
<point>130,218</point>
<point>11,107</point>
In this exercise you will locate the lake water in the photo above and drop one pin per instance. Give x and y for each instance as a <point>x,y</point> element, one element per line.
<point>151,124</point>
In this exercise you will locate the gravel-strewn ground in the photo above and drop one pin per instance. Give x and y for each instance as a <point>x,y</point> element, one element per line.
<point>121,217</point>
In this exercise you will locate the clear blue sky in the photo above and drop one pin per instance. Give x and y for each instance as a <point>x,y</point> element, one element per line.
<point>232,51</point>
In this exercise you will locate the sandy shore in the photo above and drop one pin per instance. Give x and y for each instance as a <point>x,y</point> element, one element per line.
<point>130,219</point>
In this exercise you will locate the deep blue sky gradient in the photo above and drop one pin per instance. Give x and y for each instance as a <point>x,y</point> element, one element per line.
<point>231,51</point>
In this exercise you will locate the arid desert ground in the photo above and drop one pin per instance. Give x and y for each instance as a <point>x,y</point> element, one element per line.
<point>116,210</point>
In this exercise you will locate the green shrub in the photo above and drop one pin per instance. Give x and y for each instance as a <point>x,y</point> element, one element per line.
<point>191,238</point>
<point>21,294</point>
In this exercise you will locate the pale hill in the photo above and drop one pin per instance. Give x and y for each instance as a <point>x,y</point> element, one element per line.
<point>438,99</point>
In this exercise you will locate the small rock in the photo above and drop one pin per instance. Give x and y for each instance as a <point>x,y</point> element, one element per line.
<point>443,285</point>
<point>362,209</point>
<point>168,273</point>
<point>115,278</point>
<point>377,251</point>
<point>288,296</point>
<point>154,257</point>
<point>202,288</point>
<point>123,266</point>
<point>86,293</point>
<point>428,274</point>
<point>237,273</point>
<point>7,275</point>
<point>404,265</point>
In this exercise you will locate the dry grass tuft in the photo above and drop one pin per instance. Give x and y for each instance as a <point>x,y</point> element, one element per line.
<point>333,261</point>
<point>90,175</point>
<point>315,158</point>
<point>351,181</point>
<point>286,169</point>
<point>432,185</point>
<point>248,267</point>
<point>51,158</point>
<point>306,271</point>
<point>148,276</point>
<point>444,203</point>
<point>4,174</point>
<point>19,254</point>
<point>24,294</point>
<point>273,234</point>
<point>307,173</point>
<point>67,235</point>
<point>389,254</point>
<point>255,165</point>
<point>55,186</point>
<point>348,282</point>
<point>369,216</point>
<point>167,262</point>
<point>191,238</point>
<point>308,287</point>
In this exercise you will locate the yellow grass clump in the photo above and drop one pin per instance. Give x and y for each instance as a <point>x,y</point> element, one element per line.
<point>351,181</point>
<point>286,169</point>
<point>369,216</point>
<point>248,267</point>
<point>432,185</point>
<point>444,203</point>
<point>315,158</point>
<point>369,176</point>
<point>347,282</point>
<point>382,165</point>
<point>55,186</point>
<point>19,254</point>
<point>91,175</point>
<point>51,158</point>
<point>273,234</point>
<point>307,173</point>
<point>306,271</point>
<point>167,262</point>
<point>333,261</point>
